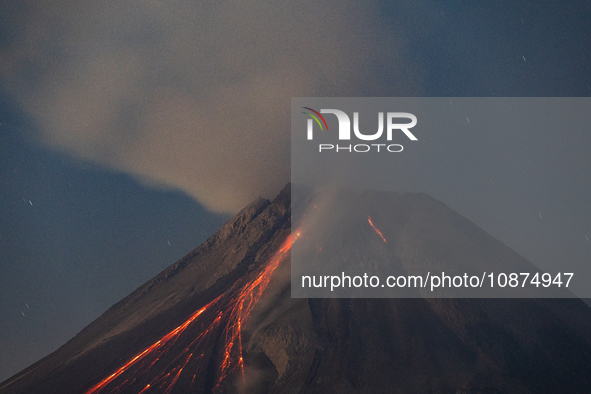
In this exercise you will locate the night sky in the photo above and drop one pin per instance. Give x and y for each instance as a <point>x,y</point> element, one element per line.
<point>131,132</point>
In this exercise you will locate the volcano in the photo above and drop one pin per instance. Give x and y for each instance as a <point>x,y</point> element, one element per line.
<point>222,320</point>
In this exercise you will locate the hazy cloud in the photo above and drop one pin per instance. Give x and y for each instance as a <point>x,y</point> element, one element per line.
<point>189,95</point>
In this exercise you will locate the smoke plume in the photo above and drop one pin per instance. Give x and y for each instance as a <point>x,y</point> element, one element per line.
<point>183,94</point>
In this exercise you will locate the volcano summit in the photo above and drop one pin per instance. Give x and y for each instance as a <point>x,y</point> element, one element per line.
<point>222,320</point>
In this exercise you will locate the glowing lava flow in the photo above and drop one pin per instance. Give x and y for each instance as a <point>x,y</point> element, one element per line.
<point>378,232</point>
<point>230,309</point>
<point>156,348</point>
<point>247,298</point>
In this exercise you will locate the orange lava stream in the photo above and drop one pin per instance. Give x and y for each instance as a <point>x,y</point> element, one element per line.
<point>155,347</point>
<point>376,230</point>
<point>231,309</point>
<point>245,301</point>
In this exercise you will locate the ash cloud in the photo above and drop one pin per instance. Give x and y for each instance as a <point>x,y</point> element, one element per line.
<point>191,95</point>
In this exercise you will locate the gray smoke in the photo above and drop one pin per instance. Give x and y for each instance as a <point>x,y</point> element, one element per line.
<point>189,95</point>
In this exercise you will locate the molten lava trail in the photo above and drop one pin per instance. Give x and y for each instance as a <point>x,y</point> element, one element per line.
<point>375,228</point>
<point>227,312</point>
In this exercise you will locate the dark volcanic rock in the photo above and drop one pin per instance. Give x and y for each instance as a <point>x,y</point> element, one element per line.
<point>162,303</point>
<point>331,345</point>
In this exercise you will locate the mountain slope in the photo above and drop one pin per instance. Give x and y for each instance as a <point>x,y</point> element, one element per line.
<point>173,333</point>
<point>162,303</point>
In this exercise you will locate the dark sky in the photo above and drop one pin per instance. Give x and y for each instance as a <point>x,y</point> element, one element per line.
<point>125,127</point>
<point>74,240</point>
